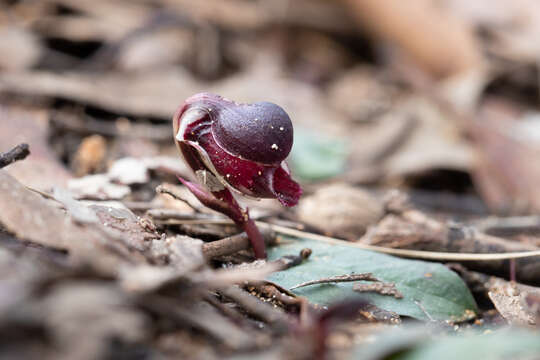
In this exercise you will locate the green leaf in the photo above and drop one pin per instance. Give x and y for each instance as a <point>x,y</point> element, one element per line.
<point>316,157</point>
<point>501,344</point>
<point>426,287</point>
<point>415,342</point>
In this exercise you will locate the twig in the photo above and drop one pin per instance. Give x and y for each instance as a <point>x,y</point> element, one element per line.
<point>168,214</point>
<point>170,190</point>
<point>415,254</point>
<point>337,279</point>
<point>380,288</point>
<point>375,314</point>
<point>271,291</point>
<point>44,194</point>
<point>19,152</point>
<point>418,254</point>
<point>408,228</point>
<point>194,221</point>
<point>202,316</point>
<point>254,306</point>
<point>509,225</point>
<point>288,261</point>
<point>232,313</point>
<point>233,244</point>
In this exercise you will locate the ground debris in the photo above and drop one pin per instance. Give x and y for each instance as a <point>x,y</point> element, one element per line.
<point>345,211</point>
<point>337,279</point>
<point>438,99</point>
<point>19,152</point>
<point>379,288</point>
<point>406,227</point>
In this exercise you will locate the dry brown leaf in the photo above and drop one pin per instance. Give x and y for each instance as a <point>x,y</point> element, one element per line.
<point>340,210</point>
<point>435,131</point>
<point>30,217</point>
<point>97,187</point>
<point>153,93</point>
<point>507,171</point>
<point>442,44</point>
<point>412,229</point>
<point>361,95</point>
<point>394,146</point>
<point>509,300</point>
<point>156,49</point>
<point>513,26</point>
<point>40,170</point>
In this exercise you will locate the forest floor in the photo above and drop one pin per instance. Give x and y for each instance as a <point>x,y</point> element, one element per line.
<point>416,143</point>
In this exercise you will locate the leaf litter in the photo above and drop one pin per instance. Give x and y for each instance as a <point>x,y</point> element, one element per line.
<point>94,263</point>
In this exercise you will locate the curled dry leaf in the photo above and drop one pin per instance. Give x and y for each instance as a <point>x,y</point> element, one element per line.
<point>30,217</point>
<point>341,210</point>
<point>510,300</point>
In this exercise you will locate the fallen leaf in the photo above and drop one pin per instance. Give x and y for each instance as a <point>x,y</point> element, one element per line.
<point>151,93</point>
<point>128,171</point>
<point>421,343</point>
<point>41,169</point>
<point>509,300</point>
<point>97,187</point>
<point>503,344</point>
<point>30,217</point>
<point>340,210</point>
<point>440,296</point>
<point>507,170</point>
<point>361,95</point>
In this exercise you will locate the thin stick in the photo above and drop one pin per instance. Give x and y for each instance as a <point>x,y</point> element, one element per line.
<point>337,279</point>
<point>233,244</point>
<point>19,152</point>
<point>418,254</point>
<point>415,254</point>
<point>254,306</point>
<point>170,190</point>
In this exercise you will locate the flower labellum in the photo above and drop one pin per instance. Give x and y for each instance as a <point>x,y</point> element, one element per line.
<point>238,147</point>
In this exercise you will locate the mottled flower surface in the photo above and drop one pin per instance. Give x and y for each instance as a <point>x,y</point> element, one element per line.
<point>239,147</point>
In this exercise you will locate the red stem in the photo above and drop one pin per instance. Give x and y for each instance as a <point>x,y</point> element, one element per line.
<point>224,202</point>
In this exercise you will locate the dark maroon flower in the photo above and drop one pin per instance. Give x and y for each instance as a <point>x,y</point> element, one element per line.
<point>239,147</point>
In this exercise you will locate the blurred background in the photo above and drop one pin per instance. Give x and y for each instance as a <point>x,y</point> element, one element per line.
<point>439,98</point>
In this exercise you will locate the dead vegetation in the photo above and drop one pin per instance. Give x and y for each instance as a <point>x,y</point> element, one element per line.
<point>417,134</point>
